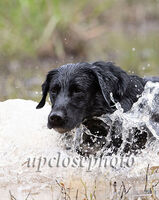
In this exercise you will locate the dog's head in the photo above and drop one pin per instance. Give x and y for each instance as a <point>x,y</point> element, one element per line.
<point>81,91</point>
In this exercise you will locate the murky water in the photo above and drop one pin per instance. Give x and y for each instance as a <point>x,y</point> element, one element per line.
<point>36,162</point>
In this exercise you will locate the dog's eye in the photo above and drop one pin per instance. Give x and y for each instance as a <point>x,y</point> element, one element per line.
<point>55,90</point>
<point>75,90</point>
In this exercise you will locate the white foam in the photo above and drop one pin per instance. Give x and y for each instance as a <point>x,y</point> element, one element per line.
<point>24,134</point>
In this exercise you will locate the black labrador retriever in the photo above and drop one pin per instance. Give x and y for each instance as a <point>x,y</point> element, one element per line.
<point>78,92</point>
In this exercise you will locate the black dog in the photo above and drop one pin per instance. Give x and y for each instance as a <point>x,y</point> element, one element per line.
<point>81,91</point>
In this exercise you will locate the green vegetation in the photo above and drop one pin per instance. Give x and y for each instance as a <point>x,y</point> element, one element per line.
<point>123,31</point>
<point>27,25</point>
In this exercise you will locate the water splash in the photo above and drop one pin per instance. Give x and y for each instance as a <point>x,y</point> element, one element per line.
<point>24,135</point>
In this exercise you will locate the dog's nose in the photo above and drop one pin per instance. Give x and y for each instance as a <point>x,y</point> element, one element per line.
<point>56,118</point>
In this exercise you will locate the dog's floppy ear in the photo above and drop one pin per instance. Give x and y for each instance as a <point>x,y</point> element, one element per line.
<point>123,81</point>
<point>106,82</point>
<point>111,79</point>
<point>45,89</point>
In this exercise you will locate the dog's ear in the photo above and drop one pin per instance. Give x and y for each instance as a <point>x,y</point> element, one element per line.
<point>45,88</point>
<point>123,81</point>
<point>106,84</point>
<point>111,79</point>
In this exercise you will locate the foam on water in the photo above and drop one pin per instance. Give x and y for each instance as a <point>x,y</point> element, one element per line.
<point>24,135</point>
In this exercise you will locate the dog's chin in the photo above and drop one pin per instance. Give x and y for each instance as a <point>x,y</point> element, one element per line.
<point>58,129</point>
<point>61,130</point>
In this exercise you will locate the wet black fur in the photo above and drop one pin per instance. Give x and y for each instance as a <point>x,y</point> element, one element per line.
<point>84,90</point>
<point>81,91</point>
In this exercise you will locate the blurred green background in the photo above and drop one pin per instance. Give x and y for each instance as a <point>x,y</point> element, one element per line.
<point>38,35</point>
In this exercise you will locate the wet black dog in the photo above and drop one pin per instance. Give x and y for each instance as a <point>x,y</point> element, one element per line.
<point>81,91</point>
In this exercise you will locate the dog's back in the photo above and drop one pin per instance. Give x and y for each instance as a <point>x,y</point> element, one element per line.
<point>153,79</point>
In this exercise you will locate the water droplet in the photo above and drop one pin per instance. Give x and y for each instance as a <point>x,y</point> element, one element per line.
<point>143,68</point>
